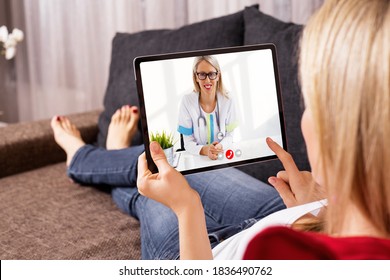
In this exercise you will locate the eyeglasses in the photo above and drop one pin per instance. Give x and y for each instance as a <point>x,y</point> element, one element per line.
<point>203,75</point>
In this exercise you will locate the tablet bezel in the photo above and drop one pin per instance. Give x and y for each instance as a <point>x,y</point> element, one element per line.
<point>144,125</point>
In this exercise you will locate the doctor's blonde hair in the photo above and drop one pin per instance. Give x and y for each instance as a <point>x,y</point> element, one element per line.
<point>213,62</point>
<point>345,74</point>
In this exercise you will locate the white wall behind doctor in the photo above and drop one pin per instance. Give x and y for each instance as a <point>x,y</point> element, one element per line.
<point>248,77</point>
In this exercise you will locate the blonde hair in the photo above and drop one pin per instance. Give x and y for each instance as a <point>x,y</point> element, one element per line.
<point>344,72</point>
<point>213,62</point>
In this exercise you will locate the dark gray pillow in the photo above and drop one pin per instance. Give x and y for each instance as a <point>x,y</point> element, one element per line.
<point>224,31</point>
<point>262,28</point>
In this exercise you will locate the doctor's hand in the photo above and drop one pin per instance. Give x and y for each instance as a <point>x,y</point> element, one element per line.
<point>212,150</point>
<point>168,186</point>
<point>294,186</point>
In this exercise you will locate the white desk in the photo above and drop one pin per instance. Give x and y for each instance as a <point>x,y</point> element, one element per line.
<point>250,149</point>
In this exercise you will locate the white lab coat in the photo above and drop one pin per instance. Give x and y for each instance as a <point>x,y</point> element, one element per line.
<point>196,136</point>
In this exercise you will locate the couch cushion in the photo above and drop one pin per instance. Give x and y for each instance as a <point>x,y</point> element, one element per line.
<point>262,28</point>
<point>224,31</point>
<point>52,218</point>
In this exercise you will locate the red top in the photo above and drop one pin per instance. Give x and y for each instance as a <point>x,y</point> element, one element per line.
<point>283,243</point>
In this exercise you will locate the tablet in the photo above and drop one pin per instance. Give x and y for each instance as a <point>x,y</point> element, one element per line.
<point>212,108</point>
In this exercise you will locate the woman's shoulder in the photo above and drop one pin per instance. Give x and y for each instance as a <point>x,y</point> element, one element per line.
<point>285,243</point>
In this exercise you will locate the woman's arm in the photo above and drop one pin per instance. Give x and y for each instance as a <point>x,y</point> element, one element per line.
<point>170,188</point>
<point>193,238</point>
<point>185,125</point>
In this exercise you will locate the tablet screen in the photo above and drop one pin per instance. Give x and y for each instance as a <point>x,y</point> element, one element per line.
<point>213,108</point>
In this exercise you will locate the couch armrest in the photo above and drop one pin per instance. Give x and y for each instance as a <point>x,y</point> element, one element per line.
<point>30,145</point>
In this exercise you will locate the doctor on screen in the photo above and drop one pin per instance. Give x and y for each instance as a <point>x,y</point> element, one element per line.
<point>207,116</point>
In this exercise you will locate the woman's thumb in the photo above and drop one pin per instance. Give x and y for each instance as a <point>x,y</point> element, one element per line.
<point>159,156</point>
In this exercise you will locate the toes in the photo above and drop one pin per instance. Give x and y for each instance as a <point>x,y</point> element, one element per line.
<point>58,122</point>
<point>125,114</point>
<point>63,123</point>
<point>134,112</point>
<point>55,122</point>
<point>116,116</point>
<point>134,115</point>
<point>66,124</point>
<point>121,115</point>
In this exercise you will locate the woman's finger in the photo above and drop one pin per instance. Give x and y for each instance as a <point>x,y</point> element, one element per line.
<point>284,176</point>
<point>159,157</point>
<point>284,157</point>
<point>142,165</point>
<point>143,172</point>
<point>284,191</point>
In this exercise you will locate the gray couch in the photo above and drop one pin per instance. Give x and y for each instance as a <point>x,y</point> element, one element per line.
<point>45,216</point>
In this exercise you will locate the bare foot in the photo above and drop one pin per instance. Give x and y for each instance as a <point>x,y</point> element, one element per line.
<point>67,136</point>
<point>122,128</point>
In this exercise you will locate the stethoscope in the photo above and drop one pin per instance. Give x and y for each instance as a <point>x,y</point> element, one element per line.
<point>220,134</point>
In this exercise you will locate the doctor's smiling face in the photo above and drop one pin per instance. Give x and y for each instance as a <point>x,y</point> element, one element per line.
<point>207,77</point>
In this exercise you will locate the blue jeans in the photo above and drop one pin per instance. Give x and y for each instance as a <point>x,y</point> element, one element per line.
<point>232,200</point>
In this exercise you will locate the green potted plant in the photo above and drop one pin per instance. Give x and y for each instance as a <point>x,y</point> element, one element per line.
<point>166,141</point>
